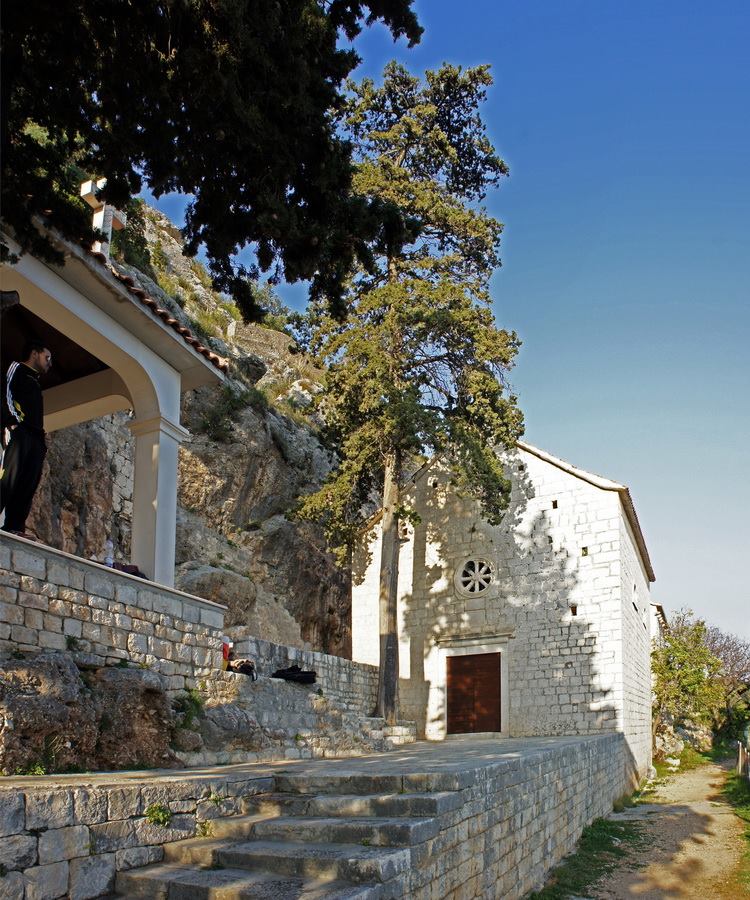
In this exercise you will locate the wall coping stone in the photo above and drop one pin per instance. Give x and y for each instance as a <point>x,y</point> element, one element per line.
<point>99,569</point>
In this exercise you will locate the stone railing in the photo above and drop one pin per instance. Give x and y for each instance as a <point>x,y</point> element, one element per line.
<point>50,600</point>
<point>353,685</point>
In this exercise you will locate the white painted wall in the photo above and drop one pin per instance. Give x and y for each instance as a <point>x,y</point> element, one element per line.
<point>566,673</point>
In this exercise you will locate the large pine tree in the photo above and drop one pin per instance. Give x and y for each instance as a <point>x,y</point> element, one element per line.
<point>418,366</point>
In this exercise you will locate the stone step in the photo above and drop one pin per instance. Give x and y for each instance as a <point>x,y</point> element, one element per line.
<point>367,831</point>
<point>339,784</point>
<point>390,805</point>
<point>175,882</point>
<point>427,782</point>
<point>336,862</point>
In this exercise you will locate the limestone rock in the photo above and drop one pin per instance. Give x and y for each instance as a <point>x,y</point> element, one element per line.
<point>667,743</point>
<point>135,718</point>
<point>252,367</point>
<point>696,736</point>
<point>277,718</point>
<point>247,604</point>
<point>55,717</point>
<point>86,489</point>
<point>46,715</point>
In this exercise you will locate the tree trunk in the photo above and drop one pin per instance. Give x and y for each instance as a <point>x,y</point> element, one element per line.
<point>388,676</point>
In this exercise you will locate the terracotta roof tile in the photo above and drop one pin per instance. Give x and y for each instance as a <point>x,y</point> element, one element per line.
<point>218,361</point>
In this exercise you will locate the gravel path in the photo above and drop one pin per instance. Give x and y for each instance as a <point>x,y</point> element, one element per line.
<point>693,844</point>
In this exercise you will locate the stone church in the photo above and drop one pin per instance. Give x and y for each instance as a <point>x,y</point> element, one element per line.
<point>538,626</point>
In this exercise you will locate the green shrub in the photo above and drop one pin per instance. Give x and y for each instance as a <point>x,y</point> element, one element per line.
<point>217,423</point>
<point>158,814</point>
<point>189,705</point>
<point>201,273</point>
<point>130,245</point>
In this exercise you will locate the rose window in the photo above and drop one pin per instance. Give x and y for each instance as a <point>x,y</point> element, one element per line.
<point>475,576</point>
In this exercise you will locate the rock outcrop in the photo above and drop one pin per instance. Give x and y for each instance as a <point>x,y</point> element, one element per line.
<point>239,719</point>
<point>56,718</point>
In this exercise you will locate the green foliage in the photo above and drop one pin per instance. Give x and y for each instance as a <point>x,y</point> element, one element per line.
<point>600,848</point>
<point>686,673</point>
<point>129,245</point>
<point>733,652</point>
<point>266,168</point>
<point>32,769</point>
<point>276,314</point>
<point>217,422</point>
<point>204,829</point>
<point>189,705</point>
<point>158,814</point>
<point>418,366</point>
<point>737,792</point>
<point>159,258</point>
<point>210,322</point>
<point>201,273</point>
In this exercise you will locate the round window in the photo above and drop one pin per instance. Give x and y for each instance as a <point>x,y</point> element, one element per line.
<point>474,577</point>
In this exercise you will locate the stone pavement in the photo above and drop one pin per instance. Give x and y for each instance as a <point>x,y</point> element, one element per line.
<point>454,756</point>
<point>462,819</point>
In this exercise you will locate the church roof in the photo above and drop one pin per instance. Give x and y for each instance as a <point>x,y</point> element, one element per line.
<point>604,484</point>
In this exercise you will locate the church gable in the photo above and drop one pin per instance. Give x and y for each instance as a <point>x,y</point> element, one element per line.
<point>543,600</point>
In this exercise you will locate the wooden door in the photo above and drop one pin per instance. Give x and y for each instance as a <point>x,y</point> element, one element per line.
<point>473,693</point>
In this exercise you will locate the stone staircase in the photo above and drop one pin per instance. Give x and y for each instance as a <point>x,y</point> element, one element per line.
<point>338,837</point>
<point>375,729</point>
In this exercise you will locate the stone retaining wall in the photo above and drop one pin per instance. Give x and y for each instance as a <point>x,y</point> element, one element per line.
<point>517,820</point>
<point>353,685</point>
<point>53,600</point>
<point>71,841</point>
<point>511,819</point>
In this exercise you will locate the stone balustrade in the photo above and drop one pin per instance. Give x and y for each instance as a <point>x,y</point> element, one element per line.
<point>51,600</point>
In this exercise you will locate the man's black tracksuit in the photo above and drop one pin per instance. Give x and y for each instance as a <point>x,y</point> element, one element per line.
<point>24,456</point>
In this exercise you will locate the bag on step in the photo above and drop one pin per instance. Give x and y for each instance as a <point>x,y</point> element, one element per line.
<point>295,674</point>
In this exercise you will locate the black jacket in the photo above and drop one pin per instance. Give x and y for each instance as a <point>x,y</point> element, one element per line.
<point>23,397</point>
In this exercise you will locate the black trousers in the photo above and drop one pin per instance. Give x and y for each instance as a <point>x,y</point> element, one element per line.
<point>22,469</point>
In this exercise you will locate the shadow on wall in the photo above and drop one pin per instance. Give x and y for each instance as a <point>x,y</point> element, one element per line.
<point>557,681</point>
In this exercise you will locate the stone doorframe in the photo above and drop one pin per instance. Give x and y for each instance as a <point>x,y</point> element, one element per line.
<point>472,646</point>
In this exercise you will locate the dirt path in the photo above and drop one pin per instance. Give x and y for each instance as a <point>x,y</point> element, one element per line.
<point>692,847</point>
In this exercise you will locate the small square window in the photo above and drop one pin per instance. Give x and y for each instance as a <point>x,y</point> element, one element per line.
<point>554,504</point>
<point>584,551</point>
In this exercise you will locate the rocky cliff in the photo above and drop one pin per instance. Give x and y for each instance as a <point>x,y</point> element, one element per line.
<point>254,450</point>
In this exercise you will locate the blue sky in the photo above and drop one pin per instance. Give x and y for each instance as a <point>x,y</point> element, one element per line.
<point>626,264</point>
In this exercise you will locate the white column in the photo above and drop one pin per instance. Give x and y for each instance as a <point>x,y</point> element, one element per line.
<point>155,496</point>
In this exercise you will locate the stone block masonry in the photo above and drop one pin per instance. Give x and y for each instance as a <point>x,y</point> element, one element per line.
<point>60,840</point>
<point>470,819</point>
<point>352,685</point>
<point>50,600</point>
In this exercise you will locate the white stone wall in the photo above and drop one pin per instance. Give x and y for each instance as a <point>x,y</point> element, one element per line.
<point>554,610</point>
<point>636,613</point>
<point>352,685</point>
<point>50,600</point>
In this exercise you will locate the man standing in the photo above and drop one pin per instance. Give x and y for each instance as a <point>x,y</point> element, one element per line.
<point>24,455</point>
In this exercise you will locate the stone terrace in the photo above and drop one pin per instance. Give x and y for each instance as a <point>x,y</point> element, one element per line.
<point>51,600</point>
<point>461,819</point>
